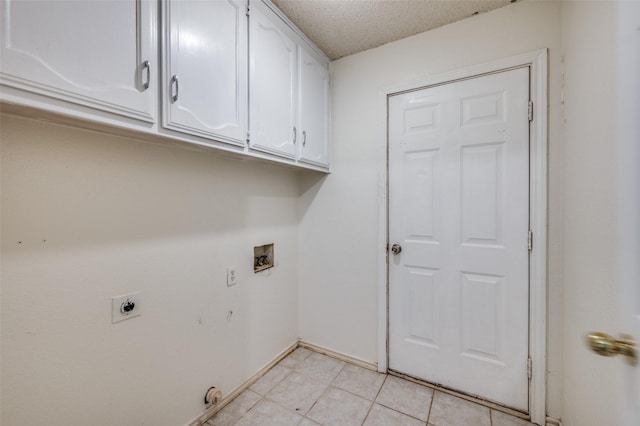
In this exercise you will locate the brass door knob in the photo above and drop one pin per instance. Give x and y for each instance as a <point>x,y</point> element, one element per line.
<point>605,345</point>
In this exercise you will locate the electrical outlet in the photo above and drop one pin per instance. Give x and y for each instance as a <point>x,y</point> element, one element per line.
<point>125,307</point>
<point>232,277</point>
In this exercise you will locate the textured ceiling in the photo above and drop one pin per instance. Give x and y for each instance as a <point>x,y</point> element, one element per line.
<point>344,27</point>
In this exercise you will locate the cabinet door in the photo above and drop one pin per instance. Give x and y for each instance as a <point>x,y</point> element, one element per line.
<point>314,109</point>
<point>205,91</point>
<point>272,85</point>
<point>99,53</point>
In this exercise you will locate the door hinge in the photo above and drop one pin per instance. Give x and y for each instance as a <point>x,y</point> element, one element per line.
<point>529,368</point>
<point>530,240</point>
<point>248,136</point>
<point>530,111</point>
<point>248,8</point>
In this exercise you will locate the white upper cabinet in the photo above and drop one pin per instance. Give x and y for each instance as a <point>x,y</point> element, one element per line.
<point>314,109</point>
<point>230,74</point>
<point>272,83</point>
<point>288,90</point>
<point>100,54</point>
<point>205,78</point>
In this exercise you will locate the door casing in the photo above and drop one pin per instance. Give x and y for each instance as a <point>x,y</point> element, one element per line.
<point>537,62</point>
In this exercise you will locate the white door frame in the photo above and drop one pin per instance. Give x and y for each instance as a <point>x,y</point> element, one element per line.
<point>537,62</point>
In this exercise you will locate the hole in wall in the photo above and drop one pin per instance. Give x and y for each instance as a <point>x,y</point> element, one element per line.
<point>263,257</point>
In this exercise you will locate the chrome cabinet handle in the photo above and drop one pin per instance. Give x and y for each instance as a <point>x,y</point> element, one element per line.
<point>146,65</point>
<point>304,138</point>
<point>174,80</point>
<point>295,134</point>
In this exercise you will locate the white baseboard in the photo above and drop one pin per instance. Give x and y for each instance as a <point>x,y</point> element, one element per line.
<point>342,357</point>
<point>551,421</point>
<point>211,411</point>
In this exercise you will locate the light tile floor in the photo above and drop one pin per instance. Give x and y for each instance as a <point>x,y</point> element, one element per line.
<point>310,389</point>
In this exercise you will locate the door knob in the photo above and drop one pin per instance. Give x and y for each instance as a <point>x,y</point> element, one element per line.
<point>396,248</point>
<point>605,345</point>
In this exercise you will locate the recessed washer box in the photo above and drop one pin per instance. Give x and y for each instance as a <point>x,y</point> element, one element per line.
<point>263,257</point>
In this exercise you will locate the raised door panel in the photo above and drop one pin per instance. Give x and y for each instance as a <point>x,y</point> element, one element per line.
<point>314,109</point>
<point>272,85</point>
<point>99,54</point>
<point>483,182</point>
<point>206,78</point>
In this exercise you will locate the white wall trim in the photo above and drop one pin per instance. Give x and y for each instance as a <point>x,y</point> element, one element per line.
<point>226,399</point>
<point>383,233</point>
<point>338,355</point>
<point>552,421</point>
<point>213,409</point>
<point>537,62</point>
<point>538,212</point>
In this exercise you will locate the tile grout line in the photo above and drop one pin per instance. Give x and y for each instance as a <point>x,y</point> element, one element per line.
<point>374,399</point>
<point>355,394</point>
<point>395,409</point>
<point>402,412</point>
<point>433,397</point>
<point>285,408</point>
<point>344,364</point>
<point>373,402</point>
<point>447,391</point>
<point>294,370</point>
<point>315,402</point>
<point>276,384</point>
<point>249,409</point>
<point>332,384</point>
<point>264,397</point>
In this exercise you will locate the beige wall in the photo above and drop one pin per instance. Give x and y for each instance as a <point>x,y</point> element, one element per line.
<point>596,84</point>
<point>339,214</point>
<point>120,216</point>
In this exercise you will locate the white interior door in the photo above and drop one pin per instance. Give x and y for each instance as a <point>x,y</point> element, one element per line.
<point>459,209</point>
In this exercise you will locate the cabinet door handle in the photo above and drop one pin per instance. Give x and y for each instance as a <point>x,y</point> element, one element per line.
<point>146,66</point>
<point>304,138</point>
<point>174,81</point>
<point>295,134</point>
